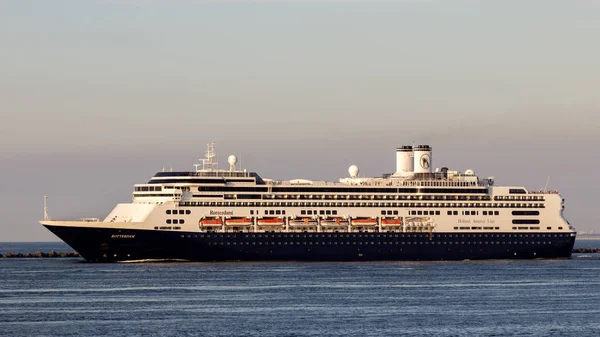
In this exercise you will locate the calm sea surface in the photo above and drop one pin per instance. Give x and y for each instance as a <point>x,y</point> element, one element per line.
<point>66,297</point>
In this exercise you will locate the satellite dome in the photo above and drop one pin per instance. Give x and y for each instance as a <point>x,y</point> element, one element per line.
<point>470,172</point>
<point>353,170</point>
<point>232,160</point>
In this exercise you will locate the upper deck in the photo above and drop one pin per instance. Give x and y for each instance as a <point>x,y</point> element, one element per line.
<point>406,180</point>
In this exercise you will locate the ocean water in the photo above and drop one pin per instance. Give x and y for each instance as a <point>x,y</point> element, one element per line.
<point>67,297</point>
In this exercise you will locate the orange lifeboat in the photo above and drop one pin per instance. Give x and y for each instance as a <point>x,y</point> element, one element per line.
<point>238,222</point>
<point>391,222</point>
<point>364,222</point>
<point>303,222</point>
<point>335,222</point>
<point>270,222</point>
<point>211,222</point>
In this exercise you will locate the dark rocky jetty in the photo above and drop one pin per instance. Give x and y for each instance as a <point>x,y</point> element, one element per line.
<point>586,250</point>
<point>40,254</point>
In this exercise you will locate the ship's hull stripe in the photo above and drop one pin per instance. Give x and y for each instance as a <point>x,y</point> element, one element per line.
<point>108,245</point>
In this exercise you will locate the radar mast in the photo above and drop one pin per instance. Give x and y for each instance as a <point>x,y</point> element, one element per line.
<point>209,162</point>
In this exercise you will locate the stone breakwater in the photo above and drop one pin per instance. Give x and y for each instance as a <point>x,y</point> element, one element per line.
<point>40,254</point>
<point>586,250</point>
<point>75,254</point>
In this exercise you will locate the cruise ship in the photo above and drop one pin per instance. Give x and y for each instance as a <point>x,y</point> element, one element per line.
<point>415,213</point>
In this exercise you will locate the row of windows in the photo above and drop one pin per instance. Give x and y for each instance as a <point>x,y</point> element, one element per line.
<point>321,212</point>
<point>526,221</point>
<point>309,189</point>
<point>388,212</point>
<point>186,181</point>
<point>175,221</point>
<point>167,227</point>
<point>354,204</point>
<point>534,228</point>
<point>474,213</point>
<point>221,174</point>
<point>438,175</point>
<point>198,181</point>
<point>180,211</point>
<point>232,189</point>
<point>477,228</point>
<point>423,236</point>
<point>424,212</point>
<point>362,196</point>
<point>352,197</point>
<point>148,188</point>
<point>518,197</point>
<point>323,243</point>
<point>243,196</point>
<point>154,195</point>
<point>271,212</point>
<point>183,188</point>
<point>525,213</point>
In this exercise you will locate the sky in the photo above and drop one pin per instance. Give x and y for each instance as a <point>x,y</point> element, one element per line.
<point>98,95</point>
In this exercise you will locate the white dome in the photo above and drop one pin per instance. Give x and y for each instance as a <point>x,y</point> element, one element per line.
<point>353,170</point>
<point>470,172</point>
<point>232,160</point>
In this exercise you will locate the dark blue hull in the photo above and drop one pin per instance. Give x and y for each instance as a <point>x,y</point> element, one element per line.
<point>110,245</point>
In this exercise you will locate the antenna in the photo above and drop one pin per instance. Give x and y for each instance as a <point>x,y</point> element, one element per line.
<point>208,163</point>
<point>547,181</point>
<point>45,208</point>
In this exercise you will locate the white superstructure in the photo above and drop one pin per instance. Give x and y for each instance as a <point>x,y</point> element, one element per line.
<point>413,199</point>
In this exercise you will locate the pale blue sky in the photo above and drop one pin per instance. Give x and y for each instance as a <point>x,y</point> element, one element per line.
<point>98,95</point>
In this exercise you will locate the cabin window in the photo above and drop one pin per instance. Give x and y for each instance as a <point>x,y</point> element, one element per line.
<point>526,221</point>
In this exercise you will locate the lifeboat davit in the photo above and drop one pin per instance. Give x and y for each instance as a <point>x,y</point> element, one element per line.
<point>391,222</point>
<point>335,222</point>
<point>270,222</point>
<point>211,222</point>
<point>303,222</point>
<point>364,222</point>
<point>238,222</point>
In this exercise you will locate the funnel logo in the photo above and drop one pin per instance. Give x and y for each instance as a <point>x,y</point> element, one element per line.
<point>425,161</point>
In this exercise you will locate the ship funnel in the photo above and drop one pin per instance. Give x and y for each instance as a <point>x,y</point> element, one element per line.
<point>404,160</point>
<point>422,159</point>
